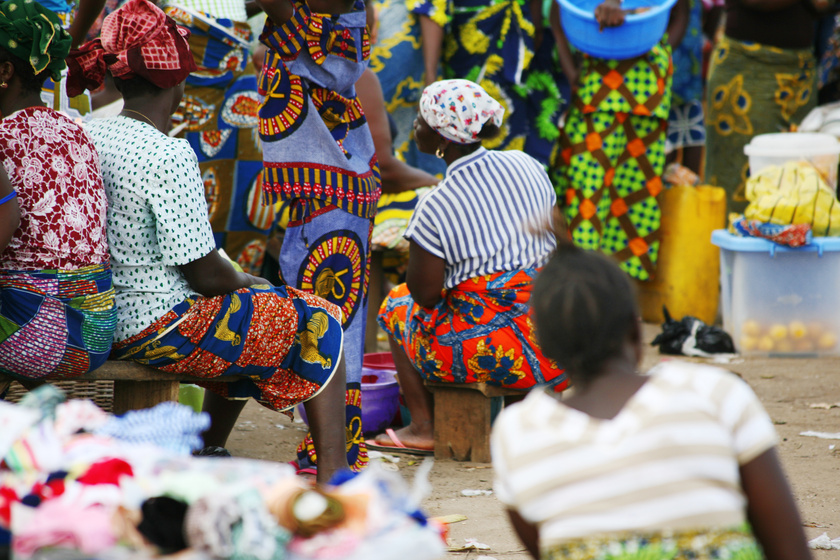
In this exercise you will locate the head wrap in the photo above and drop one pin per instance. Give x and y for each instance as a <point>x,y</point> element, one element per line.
<point>34,34</point>
<point>457,109</point>
<point>137,39</point>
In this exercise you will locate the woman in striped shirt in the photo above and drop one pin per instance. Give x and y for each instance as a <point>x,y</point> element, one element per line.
<point>476,243</point>
<point>676,464</point>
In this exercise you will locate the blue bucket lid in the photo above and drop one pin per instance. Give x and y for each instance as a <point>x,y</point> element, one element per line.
<point>726,240</point>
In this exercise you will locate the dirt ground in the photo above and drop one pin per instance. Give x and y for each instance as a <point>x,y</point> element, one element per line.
<point>787,387</point>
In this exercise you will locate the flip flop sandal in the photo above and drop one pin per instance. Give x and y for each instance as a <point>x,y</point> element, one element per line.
<point>398,446</point>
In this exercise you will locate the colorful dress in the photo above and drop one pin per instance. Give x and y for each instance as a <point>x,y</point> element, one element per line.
<point>752,89</point>
<point>612,152</point>
<point>686,127</point>
<point>219,112</point>
<point>480,331</point>
<point>492,43</point>
<point>319,157</point>
<point>397,60</point>
<point>659,481</point>
<point>57,309</point>
<point>287,342</point>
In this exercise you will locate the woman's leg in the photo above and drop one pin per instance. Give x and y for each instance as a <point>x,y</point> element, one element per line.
<point>325,412</point>
<point>223,415</point>
<point>420,434</point>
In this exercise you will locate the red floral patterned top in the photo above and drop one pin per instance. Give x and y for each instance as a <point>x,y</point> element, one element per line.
<point>54,169</point>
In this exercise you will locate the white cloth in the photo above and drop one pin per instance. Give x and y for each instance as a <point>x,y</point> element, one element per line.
<point>157,218</point>
<point>458,109</point>
<point>491,213</point>
<point>669,460</point>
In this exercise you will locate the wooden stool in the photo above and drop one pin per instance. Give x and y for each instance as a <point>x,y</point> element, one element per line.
<point>135,386</point>
<point>462,419</point>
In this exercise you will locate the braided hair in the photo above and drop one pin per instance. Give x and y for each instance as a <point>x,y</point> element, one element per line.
<point>584,309</point>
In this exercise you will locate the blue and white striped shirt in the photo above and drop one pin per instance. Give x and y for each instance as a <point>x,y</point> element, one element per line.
<point>490,214</point>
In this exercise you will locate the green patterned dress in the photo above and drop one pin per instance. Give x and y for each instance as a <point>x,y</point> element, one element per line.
<point>612,152</point>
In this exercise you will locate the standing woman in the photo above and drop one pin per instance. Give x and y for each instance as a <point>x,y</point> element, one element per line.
<point>319,158</point>
<point>57,311</point>
<point>502,46</point>
<point>477,241</point>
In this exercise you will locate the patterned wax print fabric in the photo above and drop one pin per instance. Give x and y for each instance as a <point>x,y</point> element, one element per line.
<point>612,156</point>
<point>53,166</point>
<point>287,342</point>
<point>392,216</point>
<point>219,112</point>
<point>752,89</point>
<point>397,60</point>
<point>157,217</point>
<point>685,122</point>
<point>54,92</point>
<point>319,155</point>
<point>326,251</point>
<point>480,332</point>
<point>492,43</point>
<point>735,543</point>
<point>828,73</point>
<point>316,140</point>
<point>56,323</point>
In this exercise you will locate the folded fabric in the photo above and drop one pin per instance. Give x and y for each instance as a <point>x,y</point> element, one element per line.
<point>790,235</point>
<point>56,523</point>
<point>169,425</point>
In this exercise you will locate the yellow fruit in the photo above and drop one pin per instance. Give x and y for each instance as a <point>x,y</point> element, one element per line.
<point>766,344</point>
<point>778,331</point>
<point>751,328</point>
<point>797,329</point>
<point>803,345</point>
<point>748,343</point>
<point>827,341</point>
<point>784,345</point>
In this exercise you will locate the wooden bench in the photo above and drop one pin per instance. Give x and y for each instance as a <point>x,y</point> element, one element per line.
<point>135,386</point>
<point>462,419</point>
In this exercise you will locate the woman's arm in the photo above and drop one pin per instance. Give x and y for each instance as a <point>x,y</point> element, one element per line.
<point>425,275</point>
<point>280,11</point>
<point>214,275</point>
<point>539,24</point>
<point>564,53</point>
<point>9,211</point>
<point>771,509</point>
<point>528,533</point>
<point>432,35</point>
<point>397,176</point>
<point>678,23</point>
<point>84,18</point>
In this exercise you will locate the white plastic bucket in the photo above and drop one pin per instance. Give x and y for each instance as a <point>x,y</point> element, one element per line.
<point>821,150</point>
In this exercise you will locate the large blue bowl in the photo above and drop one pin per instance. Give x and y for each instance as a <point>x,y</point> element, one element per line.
<point>637,36</point>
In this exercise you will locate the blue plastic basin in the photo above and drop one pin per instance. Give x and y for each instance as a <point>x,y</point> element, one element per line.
<point>638,34</point>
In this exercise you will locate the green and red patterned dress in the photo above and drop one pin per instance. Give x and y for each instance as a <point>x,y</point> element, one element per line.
<point>612,152</point>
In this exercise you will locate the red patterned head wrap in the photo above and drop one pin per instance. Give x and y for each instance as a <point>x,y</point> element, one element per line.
<point>138,39</point>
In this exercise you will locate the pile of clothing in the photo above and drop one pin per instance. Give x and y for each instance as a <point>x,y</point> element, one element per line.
<point>76,482</point>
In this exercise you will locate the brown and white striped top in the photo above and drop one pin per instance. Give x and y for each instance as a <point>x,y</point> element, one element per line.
<point>669,460</point>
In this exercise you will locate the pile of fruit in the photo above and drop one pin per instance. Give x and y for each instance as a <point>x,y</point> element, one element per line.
<point>794,337</point>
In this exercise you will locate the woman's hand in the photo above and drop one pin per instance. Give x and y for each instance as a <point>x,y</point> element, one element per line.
<point>609,14</point>
<point>214,275</point>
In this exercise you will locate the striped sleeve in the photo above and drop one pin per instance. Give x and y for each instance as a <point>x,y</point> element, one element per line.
<point>742,413</point>
<point>423,228</point>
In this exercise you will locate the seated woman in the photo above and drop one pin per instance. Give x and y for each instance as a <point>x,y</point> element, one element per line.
<point>477,241</point>
<point>679,463</point>
<point>182,307</point>
<point>57,310</point>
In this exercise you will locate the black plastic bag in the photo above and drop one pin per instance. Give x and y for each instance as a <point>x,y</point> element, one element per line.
<point>691,337</point>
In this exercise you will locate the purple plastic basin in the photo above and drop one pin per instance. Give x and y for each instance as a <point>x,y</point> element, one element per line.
<point>380,399</point>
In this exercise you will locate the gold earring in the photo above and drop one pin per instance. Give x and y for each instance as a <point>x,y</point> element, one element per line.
<point>4,85</point>
<point>439,152</point>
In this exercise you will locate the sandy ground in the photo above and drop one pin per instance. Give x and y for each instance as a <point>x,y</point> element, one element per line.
<point>787,387</point>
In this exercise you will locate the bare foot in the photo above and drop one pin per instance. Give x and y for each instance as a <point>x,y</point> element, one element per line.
<point>410,436</point>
